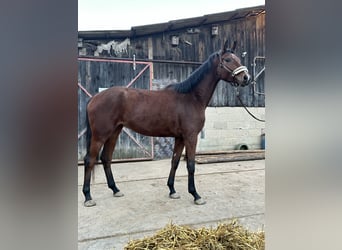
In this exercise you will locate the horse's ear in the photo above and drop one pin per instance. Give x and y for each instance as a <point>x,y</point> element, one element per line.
<point>225,47</point>
<point>233,47</point>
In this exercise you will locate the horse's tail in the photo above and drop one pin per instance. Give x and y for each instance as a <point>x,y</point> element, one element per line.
<point>88,135</point>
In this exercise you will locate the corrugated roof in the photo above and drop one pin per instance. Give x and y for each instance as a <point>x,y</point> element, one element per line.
<point>174,24</point>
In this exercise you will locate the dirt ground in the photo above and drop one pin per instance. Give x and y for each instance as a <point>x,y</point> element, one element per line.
<point>231,190</point>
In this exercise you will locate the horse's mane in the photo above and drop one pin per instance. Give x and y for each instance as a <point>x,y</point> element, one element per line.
<point>193,80</point>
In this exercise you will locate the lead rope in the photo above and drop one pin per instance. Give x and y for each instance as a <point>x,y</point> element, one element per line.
<point>243,105</point>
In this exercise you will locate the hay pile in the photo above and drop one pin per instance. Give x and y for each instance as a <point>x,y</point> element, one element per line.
<point>225,236</point>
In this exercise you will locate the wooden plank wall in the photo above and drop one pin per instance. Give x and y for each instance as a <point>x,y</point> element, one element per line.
<point>196,44</point>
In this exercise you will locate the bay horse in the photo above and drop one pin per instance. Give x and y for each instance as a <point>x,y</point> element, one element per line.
<point>176,111</point>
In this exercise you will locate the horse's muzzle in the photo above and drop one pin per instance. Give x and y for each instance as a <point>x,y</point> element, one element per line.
<point>242,81</point>
<point>246,79</point>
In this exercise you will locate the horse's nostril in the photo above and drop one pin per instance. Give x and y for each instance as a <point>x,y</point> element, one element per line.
<point>246,78</point>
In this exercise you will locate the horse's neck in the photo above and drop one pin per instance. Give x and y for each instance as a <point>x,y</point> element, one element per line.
<point>205,89</point>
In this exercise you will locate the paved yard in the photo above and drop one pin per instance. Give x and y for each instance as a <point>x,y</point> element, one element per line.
<point>231,190</point>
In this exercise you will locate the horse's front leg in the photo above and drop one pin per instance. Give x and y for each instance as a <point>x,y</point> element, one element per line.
<point>177,152</point>
<point>190,146</point>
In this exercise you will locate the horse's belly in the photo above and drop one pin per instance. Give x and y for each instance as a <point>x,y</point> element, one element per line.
<point>153,126</point>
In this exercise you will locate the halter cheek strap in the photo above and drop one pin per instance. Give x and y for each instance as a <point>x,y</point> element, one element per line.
<point>236,71</point>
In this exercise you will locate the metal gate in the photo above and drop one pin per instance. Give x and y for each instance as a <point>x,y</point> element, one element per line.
<point>258,69</point>
<point>97,74</point>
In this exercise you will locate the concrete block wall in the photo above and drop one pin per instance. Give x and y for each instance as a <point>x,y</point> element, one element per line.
<point>226,127</point>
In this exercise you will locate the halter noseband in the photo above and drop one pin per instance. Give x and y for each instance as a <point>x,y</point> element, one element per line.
<point>234,72</point>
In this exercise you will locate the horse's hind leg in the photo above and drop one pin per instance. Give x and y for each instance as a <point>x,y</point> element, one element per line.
<point>106,158</point>
<point>89,163</point>
<point>177,152</point>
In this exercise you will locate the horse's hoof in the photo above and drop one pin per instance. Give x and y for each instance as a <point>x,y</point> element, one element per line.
<point>118,194</point>
<point>174,196</point>
<point>200,201</point>
<point>89,203</point>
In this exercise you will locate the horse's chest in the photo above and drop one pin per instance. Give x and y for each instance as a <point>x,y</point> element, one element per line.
<point>193,121</point>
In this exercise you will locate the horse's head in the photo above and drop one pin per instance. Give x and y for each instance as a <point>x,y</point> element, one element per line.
<point>230,68</point>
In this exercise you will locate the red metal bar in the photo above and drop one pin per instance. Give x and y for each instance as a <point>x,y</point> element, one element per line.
<point>111,60</point>
<point>151,77</point>
<point>138,143</point>
<point>82,133</point>
<point>135,78</point>
<point>84,90</point>
<point>142,61</point>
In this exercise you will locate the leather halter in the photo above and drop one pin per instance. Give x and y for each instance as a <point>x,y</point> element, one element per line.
<point>234,72</point>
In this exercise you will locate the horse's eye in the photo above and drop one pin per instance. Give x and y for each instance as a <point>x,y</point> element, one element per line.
<point>228,59</point>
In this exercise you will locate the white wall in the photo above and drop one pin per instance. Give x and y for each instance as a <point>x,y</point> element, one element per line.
<point>226,127</point>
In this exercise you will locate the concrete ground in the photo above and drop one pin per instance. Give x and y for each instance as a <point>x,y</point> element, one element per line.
<point>231,190</point>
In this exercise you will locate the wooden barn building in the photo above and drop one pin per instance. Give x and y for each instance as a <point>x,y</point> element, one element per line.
<point>153,56</point>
